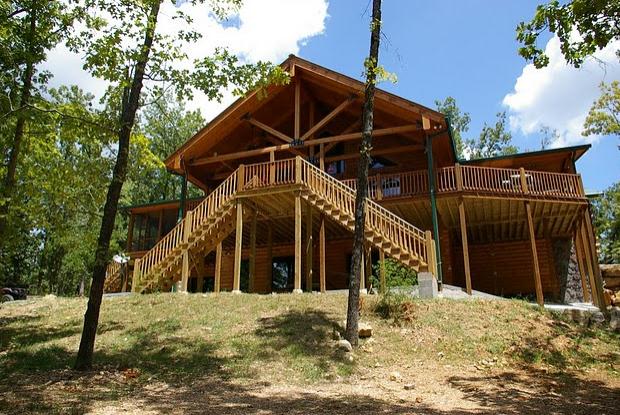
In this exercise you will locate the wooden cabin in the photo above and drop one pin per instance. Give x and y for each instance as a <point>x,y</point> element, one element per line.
<point>278,170</point>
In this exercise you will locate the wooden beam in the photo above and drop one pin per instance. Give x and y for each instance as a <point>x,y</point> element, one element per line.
<point>130,233</point>
<point>465,246</point>
<point>285,147</point>
<point>269,130</point>
<point>218,268</point>
<point>352,127</point>
<point>530,228</point>
<point>382,287</point>
<point>270,250</point>
<point>581,265</point>
<point>586,250</point>
<point>252,262</point>
<point>379,152</point>
<point>322,254</point>
<point>598,279</point>
<point>297,117</point>
<point>238,247</point>
<point>297,288</point>
<point>329,117</point>
<point>309,248</point>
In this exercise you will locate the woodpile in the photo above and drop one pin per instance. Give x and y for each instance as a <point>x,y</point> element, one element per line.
<point>611,276</point>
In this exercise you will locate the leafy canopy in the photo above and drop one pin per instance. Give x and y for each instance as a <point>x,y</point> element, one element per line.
<point>583,27</point>
<point>604,116</point>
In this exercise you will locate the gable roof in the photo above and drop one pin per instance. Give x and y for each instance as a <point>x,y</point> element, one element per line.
<point>292,64</point>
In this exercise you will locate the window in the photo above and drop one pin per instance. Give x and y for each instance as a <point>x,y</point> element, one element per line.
<point>282,274</point>
<point>380,162</point>
<point>390,186</point>
<point>338,166</point>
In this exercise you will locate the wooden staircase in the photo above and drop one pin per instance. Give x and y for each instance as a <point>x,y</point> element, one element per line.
<point>214,219</point>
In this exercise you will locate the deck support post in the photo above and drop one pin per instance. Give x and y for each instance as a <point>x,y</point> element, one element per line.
<point>363,289</point>
<point>432,192</point>
<point>252,262</point>
<point>322,255</point>
<point>532,235</point>
<point>309,248</point>
<point>218,268</point>
<point>580,263</point>
<point>598,280</point>
<point>270,252</point>
<point>297,287</point>
<point>382,286</point>
<point>185,270</point>
<point>238,246</point>
<point>465,246</point>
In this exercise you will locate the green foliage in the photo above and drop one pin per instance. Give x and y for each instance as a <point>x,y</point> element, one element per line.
<point>493,141</point>
<point>606,212</point>
<point>596,23</point>
<point>604,116</point>
<point>396,274</point>
<point>396,306</point>
<point>458,121</point>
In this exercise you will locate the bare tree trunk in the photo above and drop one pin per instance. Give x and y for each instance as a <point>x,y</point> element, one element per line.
<point>11,169</point>
<point>351,333</point>
<point>128,115</point>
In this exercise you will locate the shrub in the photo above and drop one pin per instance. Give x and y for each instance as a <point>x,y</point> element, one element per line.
<point>396,274</point>
<point>396,306</point>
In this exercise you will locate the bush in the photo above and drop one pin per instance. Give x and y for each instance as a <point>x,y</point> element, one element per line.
<point>396,306</point>
<point>396,274</point>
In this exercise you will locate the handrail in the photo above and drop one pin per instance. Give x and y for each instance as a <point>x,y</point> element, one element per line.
<point>392,227</point>
<point>194,218</point>
<point>474,179</point>
<point>112,273</point>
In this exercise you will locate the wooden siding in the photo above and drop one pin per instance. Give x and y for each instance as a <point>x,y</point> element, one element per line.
<point>505,268</point>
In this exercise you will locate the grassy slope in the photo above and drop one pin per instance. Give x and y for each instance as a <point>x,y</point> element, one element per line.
<point>286,339</point>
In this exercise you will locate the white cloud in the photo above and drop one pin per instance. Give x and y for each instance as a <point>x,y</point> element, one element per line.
<point>559,96</point>
<point>267,30</point>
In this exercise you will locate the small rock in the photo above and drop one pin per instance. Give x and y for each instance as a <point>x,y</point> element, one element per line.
<point>364,330</point>
<point>395,377</point>
<point>614,323</point>
<point>345,345</point>
<point>418,400</point>
<point>597,317</point>
<point>336,335</point>
<point>350,357</point>
<point>409,386</point>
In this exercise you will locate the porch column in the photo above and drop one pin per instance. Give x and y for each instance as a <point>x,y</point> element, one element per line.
<point>297,288</point>
<point>270,252</point>
<point>309,248</point>
<point>238,247</point>
<point>218,268</point>
<point>465,246</point>
<point>363,289</point>
<point>532,235</point>
<point>598,280</point>
<point>432,192</point>
<point>185,264</point>
<point>382,286</point>
<point>582,269</point>
<point>322,254</point>
<point>252,264</point>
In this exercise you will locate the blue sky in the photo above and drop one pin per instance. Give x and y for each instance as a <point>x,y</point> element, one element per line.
<point>464,49</point>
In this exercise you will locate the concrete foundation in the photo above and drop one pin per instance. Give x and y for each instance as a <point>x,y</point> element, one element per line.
<point>428,285</point>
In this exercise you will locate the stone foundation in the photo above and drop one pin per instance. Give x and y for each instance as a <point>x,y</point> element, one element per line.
<point>567,271</point>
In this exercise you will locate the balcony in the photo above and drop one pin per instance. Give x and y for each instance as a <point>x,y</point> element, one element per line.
<point>476,180</point>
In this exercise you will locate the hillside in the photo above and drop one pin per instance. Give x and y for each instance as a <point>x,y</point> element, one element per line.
<point>226,354</point>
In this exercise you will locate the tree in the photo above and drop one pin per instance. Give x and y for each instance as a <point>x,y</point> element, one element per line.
<point>606,212</point>
<point>458,121</point>
<point>28,30</point>
<point>372,69</point>
<point>548,136</point>
<point>493,141</point>
<point>166,125</point>
<point>127,50</point>
<point>604,116</point>
<point>582,26</point>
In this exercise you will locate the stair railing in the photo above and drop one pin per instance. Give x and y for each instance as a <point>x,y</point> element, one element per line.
<point>400,232</point>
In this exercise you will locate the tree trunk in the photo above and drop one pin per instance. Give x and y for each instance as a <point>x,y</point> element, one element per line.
<point>11,169</point>
<point>351,333</point>
<point>129,108</point>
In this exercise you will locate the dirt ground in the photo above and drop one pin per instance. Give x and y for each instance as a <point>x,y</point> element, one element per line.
<point>387,375</point>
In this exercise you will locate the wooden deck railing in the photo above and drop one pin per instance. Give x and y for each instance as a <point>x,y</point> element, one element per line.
<point>112,276</point>
<point>180,233</point>
<point>475,179</point>
<point>392,227</point>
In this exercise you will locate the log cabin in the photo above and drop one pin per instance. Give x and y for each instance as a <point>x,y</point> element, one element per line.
<point>278,169</point>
